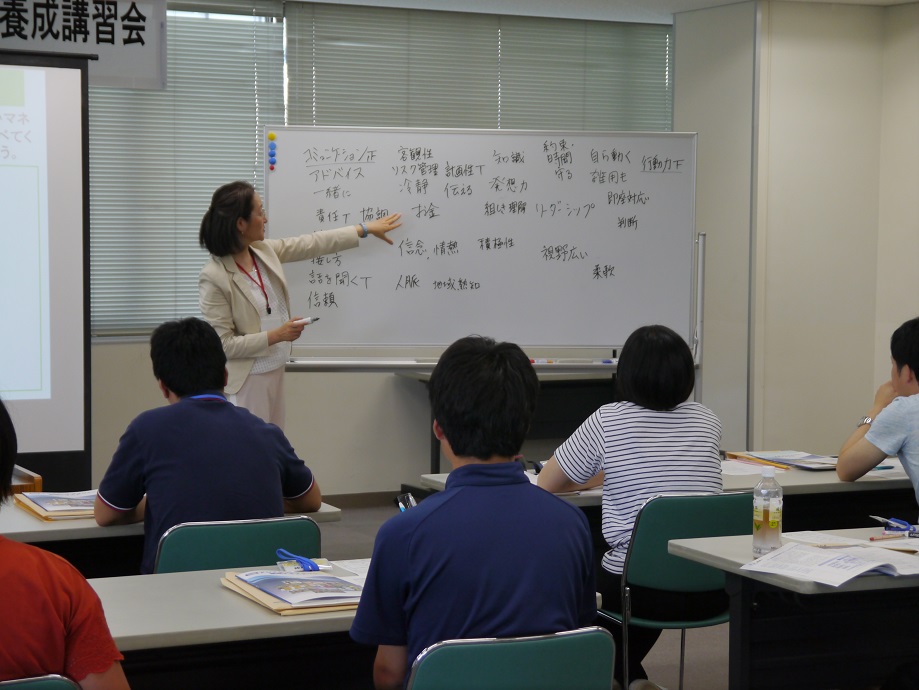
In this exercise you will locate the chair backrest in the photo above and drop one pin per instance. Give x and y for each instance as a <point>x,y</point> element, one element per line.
<point>235,543</point>
<point>581,658</point>
<point>49,682</point>
<point>683,516</point>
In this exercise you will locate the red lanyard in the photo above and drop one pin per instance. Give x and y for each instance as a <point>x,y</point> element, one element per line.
<point>259,282</point>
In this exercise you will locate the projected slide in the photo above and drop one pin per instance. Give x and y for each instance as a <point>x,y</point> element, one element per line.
<point>43,296</point>
<point>25,367</point>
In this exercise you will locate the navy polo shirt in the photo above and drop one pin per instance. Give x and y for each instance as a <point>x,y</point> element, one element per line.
<point>490,556</point>
<point>200,460</point>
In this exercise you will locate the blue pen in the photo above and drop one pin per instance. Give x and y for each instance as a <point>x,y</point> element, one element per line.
<point>307,564</point>
<point>892,524</point>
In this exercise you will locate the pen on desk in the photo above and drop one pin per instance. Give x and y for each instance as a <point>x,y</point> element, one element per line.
<point>881,537</point>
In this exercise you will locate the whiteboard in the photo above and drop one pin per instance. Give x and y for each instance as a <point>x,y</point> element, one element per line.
<point>541,238</point>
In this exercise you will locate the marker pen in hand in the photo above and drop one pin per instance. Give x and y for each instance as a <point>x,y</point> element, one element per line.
<point>307,321</point>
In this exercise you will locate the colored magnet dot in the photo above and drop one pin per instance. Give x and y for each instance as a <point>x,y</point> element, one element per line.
<point>272,160</point>
<point>271,167</point>
<point>273,145</point>
<point>272,136</point>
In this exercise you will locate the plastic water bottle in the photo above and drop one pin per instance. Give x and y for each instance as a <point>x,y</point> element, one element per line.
<point>767,513</point>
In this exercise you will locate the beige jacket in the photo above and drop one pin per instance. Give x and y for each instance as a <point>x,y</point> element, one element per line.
<point>227,303</point>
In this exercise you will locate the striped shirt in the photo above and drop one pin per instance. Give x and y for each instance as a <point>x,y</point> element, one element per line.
<point>642,453</point>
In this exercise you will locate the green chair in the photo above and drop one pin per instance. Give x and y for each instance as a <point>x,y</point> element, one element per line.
<point>235,543</point>
<point>581,659</point>
<point>49,682</point>
<point>647,563</point>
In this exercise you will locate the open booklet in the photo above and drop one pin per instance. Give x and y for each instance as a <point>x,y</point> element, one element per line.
<point>57,506</point>
<point>836,564</point>
<point>788,459</point>
<point>296,593</point>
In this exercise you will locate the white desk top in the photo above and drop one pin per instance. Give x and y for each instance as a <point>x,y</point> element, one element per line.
<point>729,553</point>
<point>437,482</point>
<point>19,525</point>
<point>792,481</point>
<point>179,609</point>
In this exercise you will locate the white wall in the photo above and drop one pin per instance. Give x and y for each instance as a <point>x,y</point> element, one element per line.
<point>898,227</point>
<point>835,226</point>
<point>357,432</point>
<point>713,95</point>
<point>816,221</point>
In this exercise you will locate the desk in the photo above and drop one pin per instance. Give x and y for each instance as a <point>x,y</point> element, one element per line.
<point>813,500</point>
<point>95,551</point>
<point>788,633</point>
<point>184,630</point>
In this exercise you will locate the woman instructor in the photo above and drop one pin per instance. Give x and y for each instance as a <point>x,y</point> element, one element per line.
<point>243,292</point>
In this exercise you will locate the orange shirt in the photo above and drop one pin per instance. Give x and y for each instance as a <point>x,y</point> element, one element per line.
<point>51,620</point>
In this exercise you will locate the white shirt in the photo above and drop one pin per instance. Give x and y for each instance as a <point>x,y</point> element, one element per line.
<point>279,353</point>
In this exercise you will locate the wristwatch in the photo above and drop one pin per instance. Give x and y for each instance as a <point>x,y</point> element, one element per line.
<point>865,420</point>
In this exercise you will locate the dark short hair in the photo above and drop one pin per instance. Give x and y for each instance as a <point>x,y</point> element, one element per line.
<point>188,357</point>
<point>655,369</point>
<point>904,345</point>
<point>218,227</point>
<point>483,395</point>
<point>8,451</point>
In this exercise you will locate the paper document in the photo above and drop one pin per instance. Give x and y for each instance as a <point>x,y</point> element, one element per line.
<point>58,502</point>
<point>832,541</point>
<point>737,468</point>
<point>794,458</point>
<point>57,506</point>
<point>833,566</point>
<point>304,589</point>
<point>358,567</point>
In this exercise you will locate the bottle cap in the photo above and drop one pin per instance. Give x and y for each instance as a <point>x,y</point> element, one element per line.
<point>768,471</point>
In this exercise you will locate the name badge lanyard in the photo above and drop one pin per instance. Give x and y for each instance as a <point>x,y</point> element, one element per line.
<point>259,282</point>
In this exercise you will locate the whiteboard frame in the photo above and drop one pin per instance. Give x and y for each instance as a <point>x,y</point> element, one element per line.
<point>367,356</point>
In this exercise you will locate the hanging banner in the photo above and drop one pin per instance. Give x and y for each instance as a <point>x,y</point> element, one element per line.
<point>128,36</point>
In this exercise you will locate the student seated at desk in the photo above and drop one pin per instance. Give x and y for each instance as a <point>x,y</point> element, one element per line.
<point>654,441</point>
<point>200,458</point>
<point>891,426</point>
<point>52,620</point>
<point>491,555</point>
